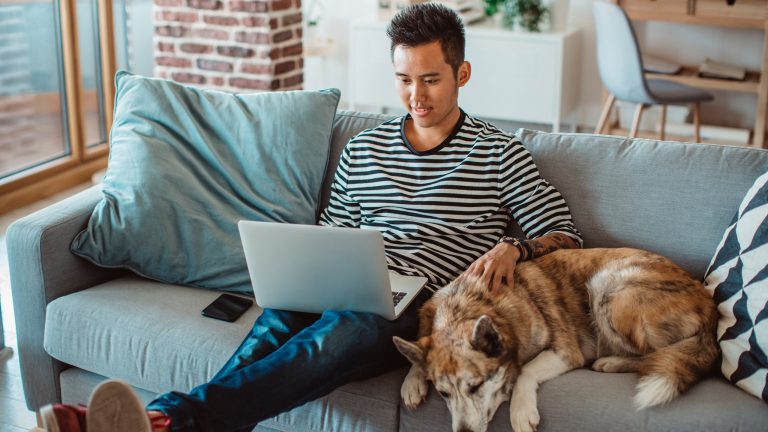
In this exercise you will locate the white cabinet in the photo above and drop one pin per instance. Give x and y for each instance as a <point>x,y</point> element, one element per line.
<point>519,76</point>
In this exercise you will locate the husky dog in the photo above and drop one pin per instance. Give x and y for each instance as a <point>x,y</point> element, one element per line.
<point>620,310</point>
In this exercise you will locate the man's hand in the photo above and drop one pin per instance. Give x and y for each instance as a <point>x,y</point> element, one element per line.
<point>501,260</point>
<point>496,263</point>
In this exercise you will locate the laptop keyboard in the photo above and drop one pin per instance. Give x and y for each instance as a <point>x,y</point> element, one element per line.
<point>397,296</point>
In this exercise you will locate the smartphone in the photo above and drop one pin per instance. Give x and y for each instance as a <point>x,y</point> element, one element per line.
<point>227,307</point>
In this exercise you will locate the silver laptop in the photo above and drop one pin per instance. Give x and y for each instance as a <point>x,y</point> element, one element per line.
<point>310,268</point>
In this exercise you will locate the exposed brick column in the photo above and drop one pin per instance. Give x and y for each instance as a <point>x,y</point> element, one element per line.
<point>230,45</point>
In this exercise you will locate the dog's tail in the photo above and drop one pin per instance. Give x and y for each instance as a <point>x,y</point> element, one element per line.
<point>669,371</point>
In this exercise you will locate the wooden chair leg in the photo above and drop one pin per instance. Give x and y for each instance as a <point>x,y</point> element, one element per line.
<point>662,121</point>
<point>605,114</point>
<point>696,122</point>
<point>636,121</point>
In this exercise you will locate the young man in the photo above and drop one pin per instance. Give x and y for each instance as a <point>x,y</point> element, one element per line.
<point>439,184</point>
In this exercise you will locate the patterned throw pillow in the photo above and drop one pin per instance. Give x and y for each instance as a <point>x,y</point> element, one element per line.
<point>738,280</point>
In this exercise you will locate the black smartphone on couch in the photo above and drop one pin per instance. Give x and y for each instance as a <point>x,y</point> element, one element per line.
<point>228,307</point>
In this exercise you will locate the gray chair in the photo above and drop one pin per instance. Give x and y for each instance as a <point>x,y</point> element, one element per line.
<point>621,69</point>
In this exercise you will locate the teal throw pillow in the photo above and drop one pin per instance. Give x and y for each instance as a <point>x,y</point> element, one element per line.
<point>187,164</point>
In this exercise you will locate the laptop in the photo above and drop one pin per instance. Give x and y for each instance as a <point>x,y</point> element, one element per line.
<point>312,268</point>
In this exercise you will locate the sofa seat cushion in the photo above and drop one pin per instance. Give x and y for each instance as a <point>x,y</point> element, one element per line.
<point>147,333</point>
<point>360,406</point>
<point>152,335</point>
<point>584,400</point>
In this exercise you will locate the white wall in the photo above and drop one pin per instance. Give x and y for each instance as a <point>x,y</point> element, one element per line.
<point>141,34</point>
<point>330,70</point>
<point>684,43</point>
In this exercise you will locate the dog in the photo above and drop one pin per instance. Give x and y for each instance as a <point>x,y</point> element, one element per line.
<point>620,310</point>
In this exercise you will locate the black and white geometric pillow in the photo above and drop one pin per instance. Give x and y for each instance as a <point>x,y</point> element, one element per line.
<point>738,280</point>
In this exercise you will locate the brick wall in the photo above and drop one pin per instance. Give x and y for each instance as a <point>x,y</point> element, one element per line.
<point>230,45</point>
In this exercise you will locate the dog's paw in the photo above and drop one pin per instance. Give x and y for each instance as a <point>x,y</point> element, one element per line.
<point>414,388</point>
<point>524,415</point>
<point>527,421</point>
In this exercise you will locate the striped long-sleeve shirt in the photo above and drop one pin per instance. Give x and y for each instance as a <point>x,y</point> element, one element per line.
<point>440,210</point>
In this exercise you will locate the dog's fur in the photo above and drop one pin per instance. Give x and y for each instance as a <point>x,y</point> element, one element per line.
<point>620,310</point>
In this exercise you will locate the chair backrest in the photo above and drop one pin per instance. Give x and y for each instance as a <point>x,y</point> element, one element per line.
<point>618,55</point>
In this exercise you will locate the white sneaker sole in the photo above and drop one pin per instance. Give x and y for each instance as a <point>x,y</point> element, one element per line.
<point>50,424</point>
<point>114,407</point>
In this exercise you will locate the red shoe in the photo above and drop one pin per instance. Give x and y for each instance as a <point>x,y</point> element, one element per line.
<point>63,418</point>
<point>112,407</point>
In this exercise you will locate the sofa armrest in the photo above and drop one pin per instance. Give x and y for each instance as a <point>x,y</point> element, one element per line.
<point>42,268</point>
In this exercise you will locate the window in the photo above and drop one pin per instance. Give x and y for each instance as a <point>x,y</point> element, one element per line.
<point>56,95</point>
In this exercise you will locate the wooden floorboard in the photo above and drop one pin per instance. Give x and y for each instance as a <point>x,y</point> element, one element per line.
<point>14,415</point>
<point>14,412</point>
<point>11,428</point>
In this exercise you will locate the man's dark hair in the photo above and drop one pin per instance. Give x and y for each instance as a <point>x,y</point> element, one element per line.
<point>426,23</point>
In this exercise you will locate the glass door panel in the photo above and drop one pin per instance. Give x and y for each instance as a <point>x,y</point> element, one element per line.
<point>91,96</point>
<point>32,98</point>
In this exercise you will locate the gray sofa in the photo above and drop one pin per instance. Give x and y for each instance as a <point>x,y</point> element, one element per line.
<point>78,323</point>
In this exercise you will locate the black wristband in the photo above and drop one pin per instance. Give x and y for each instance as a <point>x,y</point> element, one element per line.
<point>520,245</point>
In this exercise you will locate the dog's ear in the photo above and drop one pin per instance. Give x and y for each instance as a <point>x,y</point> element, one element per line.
<point>411,350</point>
<point>486,338</point>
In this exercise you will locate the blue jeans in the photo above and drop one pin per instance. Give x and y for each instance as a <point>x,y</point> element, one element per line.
<point>288,359</point>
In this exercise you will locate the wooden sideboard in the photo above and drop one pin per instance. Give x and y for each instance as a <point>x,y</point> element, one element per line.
<point>519,76</point>
<point>752,14</point>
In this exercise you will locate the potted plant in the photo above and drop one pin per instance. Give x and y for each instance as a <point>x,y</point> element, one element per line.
<point>492,7</point>
<point>529,14</point>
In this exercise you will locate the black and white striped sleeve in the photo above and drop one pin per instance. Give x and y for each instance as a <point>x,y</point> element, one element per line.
<point>342,210</point>
<point>535,204</point>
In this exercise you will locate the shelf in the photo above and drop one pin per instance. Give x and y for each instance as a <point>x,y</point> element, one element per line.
<point>689,76</point>
<point>741,14</point>
<point>713,21</point>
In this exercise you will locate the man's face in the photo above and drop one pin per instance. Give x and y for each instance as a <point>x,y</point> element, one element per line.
<point>427,85</point>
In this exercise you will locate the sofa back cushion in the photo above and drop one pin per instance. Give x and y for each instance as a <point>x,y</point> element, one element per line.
<point>186,164</point>
<point>672,198</point>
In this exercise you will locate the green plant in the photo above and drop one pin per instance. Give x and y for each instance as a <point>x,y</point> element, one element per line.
<point>492,6</point>
<point>528,13</point>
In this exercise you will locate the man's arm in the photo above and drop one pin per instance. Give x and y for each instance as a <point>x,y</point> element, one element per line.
<point>543,245</point>
<point>497,266</point>
<point>540,211</point>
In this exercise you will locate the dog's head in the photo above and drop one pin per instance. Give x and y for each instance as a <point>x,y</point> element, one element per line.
<point>470,368</point>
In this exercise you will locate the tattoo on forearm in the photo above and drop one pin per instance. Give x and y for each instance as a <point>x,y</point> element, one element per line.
<point>562,240</point>
<point>538,248</point>
<point>542,246</point>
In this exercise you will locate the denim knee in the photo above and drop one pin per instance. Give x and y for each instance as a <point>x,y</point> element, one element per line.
<point>360,333</point>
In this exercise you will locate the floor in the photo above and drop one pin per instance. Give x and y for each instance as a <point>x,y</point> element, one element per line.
<point>14,415</point>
